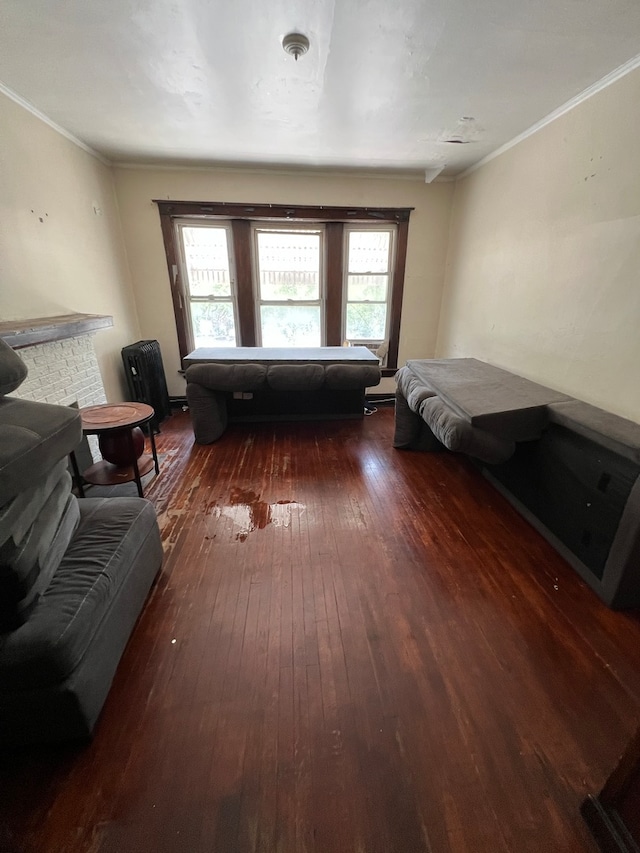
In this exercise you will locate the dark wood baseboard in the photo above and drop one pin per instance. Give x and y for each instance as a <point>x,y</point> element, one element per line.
<point>612,816</point>
<point>607,827</point>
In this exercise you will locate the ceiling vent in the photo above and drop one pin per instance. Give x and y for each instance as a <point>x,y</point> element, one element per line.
<point>467,130</point>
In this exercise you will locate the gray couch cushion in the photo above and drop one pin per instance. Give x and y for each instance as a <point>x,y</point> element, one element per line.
<point>35,530</point>
<point>411,432</point>
<point>18,515</point>
<point>617,434</point>
<point>407,423</point>
<point>228,377</point>
<point>53,641</point>
<point>349,377</point>
<point>415,390</point>
<point>459,435</point>
<point>208,410</point>
<point>33,437</point>
<point>13,370</point>
<point>295,377</point>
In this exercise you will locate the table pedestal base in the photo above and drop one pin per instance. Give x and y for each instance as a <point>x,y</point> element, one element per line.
<point>105,473</point>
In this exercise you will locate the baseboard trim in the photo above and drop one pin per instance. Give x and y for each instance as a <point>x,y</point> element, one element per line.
<point>607,827</point>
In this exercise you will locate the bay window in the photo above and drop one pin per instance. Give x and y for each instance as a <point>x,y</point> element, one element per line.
<point>270,275</point>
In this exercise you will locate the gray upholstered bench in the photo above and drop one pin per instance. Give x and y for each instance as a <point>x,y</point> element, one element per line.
<point>571,469</point>
<point>258,383</point>
<point>469,406</point>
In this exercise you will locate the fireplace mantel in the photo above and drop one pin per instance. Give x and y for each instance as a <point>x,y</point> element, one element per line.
<point>42,330</point>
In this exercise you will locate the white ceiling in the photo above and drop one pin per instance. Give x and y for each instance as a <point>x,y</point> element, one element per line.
<point>384,86</point>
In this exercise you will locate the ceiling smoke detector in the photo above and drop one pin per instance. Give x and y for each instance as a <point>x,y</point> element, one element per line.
<point>295,44</point>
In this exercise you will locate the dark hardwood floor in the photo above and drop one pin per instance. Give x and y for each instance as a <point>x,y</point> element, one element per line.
<point>350,649</point>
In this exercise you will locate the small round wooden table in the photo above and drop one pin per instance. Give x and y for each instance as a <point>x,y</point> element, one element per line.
<point>121,443</point>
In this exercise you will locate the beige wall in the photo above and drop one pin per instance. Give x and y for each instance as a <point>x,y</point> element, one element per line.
<point>428,229</point>
<point>57,255</point>
<point>544,256</point>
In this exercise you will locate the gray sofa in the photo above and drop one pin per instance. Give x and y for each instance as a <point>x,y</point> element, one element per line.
<point>218,393</point>
<point>571,469</point>
<point>74,574</point>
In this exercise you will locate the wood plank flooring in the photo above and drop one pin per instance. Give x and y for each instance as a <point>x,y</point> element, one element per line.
<point>350,649</point>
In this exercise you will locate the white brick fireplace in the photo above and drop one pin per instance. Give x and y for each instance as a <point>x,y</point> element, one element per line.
<point>64,372</point>
<point>62,363</point>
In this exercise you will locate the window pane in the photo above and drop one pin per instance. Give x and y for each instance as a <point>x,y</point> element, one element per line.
<point>213,324</point>
<point>207,260</point>
<point>363,287</point>
<point>290,325</point>
<point>289,265</point>
<point>366,322</point>
<point>369,251</point>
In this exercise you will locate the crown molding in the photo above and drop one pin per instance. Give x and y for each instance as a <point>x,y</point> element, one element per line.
<point>13,96</point>
<point>291,171</point>
<point>587,93</point>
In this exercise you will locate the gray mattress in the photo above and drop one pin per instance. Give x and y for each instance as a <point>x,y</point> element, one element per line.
<point>488,397</point>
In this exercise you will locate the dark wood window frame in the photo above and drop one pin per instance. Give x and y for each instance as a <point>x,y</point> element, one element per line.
<point>242,215</point>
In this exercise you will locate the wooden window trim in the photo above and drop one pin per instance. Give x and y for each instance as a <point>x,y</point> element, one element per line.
<point>335,254</point>
<point>319,213</point>
<point>241,215</point>
<point>244,282</point>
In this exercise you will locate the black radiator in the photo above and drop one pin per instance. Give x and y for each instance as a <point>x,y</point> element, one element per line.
<point>145,377</point>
